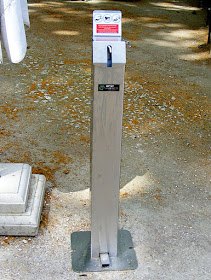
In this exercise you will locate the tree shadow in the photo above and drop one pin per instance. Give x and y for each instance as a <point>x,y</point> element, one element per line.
<point>56,74</point>
<point>175,24</point>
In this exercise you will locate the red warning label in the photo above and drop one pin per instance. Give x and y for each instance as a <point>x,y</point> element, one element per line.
<point>107,28</point>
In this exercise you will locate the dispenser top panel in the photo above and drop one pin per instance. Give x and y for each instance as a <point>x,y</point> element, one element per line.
<point>107,24</point>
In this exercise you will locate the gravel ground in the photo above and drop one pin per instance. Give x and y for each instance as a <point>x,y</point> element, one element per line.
<point>165,176</point>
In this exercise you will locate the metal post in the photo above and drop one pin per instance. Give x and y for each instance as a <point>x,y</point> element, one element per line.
<point>106,247</point>
<point>106,157</point>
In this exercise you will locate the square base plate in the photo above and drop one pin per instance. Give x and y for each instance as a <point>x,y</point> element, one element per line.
<point>81,253</point>
<point>27,223</point>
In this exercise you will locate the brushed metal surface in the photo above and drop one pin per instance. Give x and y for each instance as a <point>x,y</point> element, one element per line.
<point>105,158</point>
<point>118,52</point>
<point>83,262</point>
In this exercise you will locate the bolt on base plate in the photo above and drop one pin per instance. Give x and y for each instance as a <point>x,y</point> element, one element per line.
<point>81,253</point>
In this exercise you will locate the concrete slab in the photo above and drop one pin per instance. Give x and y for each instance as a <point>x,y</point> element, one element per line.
<point>27,223</point>
<point>165,174</point>
<point>14,186</point>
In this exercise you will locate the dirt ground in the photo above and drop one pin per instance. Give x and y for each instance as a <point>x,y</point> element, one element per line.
<point>45,104</point>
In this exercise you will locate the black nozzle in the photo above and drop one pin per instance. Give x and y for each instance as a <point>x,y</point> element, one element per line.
<point>109,56</point>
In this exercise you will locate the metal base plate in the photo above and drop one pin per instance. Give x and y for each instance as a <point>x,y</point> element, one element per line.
<point>81,253</point>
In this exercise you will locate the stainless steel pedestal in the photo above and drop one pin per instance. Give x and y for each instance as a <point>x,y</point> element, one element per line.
<point>106,157</point>
<point>105,247</point>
